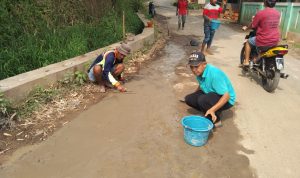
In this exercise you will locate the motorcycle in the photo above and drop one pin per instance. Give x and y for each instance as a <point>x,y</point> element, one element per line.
<point>266,62</point>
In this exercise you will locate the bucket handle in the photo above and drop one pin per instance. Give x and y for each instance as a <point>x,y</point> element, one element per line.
<point>187,127</point>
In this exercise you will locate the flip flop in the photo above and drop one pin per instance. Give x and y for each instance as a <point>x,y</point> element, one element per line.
<point>246,65</point>
<point>182,100</point>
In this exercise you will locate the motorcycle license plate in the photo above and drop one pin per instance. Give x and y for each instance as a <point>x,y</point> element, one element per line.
<point>279,63</point>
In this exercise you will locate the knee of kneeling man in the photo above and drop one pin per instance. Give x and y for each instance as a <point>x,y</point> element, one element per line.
<point>97,70</point>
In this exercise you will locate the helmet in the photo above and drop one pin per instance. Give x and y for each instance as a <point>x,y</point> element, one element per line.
<point>270,3</point>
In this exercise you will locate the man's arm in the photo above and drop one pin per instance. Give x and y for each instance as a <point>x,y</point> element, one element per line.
<point>249,25</point>
<point>206,18</point>
<point>255,21</point>
<point>222,101</point>
<point>205,13</point>
<point>220,88</point>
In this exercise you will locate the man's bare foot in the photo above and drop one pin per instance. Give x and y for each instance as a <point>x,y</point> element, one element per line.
<point>102,89</point>
<point>218,124</point>
<point>108,84</point>
<point>208,52</point>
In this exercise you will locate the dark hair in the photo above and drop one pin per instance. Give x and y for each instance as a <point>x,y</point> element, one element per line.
<point>270,3</point>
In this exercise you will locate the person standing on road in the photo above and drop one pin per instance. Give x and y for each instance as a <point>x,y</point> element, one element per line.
<point>211,11</point>
<point>215,92</point>
<point>182,12</point>
<point>151,9</point>
<point>107,66</point>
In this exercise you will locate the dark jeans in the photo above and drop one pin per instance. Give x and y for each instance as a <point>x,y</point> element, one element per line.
<point>203,102</point>
<point>209,34</point>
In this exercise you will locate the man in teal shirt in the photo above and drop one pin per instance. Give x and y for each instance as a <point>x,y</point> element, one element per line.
<point>215,92</point>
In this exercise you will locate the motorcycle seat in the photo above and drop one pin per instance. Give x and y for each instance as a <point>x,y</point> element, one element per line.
<point>263,49</point>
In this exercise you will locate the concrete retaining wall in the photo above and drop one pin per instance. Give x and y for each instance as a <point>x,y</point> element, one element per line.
<point>18,87</point>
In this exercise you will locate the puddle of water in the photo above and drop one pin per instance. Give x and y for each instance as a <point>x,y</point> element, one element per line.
<point>173,55</point>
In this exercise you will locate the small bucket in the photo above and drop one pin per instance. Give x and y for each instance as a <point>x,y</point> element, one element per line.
<point>149,24</point>
<point>196,130</point>
<point>215,24</point>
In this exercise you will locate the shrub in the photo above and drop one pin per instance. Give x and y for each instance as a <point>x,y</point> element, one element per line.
<point>38,33</point>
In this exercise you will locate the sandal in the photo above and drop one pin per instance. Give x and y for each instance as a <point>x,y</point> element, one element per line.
<point>246,64</point>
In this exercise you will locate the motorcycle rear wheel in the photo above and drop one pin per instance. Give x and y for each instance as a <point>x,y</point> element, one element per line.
<point>271,82</point>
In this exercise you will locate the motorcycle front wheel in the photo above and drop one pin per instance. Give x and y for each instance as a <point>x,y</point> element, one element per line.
<point>270,82</point>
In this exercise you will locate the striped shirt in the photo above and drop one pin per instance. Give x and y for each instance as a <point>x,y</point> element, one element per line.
<point>212,11</point>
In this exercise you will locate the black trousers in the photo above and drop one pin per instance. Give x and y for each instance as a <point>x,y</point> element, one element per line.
<point>203,102</point>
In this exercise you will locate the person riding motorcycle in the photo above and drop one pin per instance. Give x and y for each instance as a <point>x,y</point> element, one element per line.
<point>266,23</point>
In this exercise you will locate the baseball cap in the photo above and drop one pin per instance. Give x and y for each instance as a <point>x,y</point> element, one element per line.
<point>124,49</point>
<point>196,58</point>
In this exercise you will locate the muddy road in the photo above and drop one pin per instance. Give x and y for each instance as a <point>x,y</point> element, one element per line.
<point>139,134</point>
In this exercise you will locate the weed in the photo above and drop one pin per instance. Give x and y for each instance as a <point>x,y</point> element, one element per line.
<point>74,79</point>
<point>7,113</point>
<point>37,97</point>
<point>80,77</point>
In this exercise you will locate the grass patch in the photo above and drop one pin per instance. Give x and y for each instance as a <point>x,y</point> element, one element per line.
<point>7,112</point>
<point>194,6</point>
<point>36,33</point>
<point>38,97</point>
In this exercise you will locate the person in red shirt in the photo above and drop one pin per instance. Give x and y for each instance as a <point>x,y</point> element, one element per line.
<point>182,11</point>
<point>211,11</point>
<point>266,24</point>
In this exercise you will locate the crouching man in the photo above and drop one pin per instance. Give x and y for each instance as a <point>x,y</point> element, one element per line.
<point>108,66</point>
<point>215,92</point>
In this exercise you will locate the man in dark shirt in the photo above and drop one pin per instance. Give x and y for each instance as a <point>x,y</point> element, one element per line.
<point>109,65</point>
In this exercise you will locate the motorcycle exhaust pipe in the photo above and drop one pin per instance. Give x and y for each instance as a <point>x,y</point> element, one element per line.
<point>282,75</point>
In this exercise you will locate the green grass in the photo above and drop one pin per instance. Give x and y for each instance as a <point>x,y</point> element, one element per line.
<point>38,97</point>
<point>38,33</point>
<point>194,6</point>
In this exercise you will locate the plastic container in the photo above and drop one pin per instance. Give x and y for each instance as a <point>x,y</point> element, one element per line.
<point>215,24</point>
<point>150,24</point>
<point>196,130</point>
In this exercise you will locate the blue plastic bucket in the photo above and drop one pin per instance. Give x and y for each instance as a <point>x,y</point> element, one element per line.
<point>215,24</point>
<point>196,130</point>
